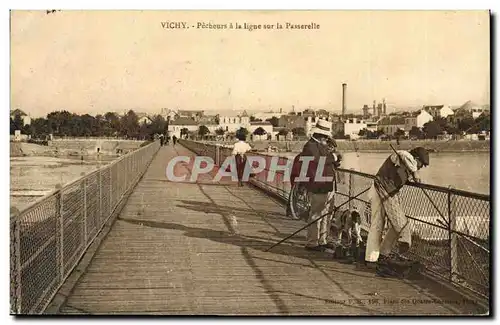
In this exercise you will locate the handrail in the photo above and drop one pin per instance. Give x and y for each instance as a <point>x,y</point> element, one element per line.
<point>445,249</point>
<point>50,235</point>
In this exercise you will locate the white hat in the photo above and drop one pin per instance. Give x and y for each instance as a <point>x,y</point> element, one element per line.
<point>323,127</point>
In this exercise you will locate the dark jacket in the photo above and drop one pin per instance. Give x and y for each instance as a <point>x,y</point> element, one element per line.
<point>314,149</point>
<point>391,177</point>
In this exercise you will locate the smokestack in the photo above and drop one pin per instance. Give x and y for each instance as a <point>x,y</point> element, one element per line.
<point>344,86</point>
<point>384,106</point>
<point>374,112</point>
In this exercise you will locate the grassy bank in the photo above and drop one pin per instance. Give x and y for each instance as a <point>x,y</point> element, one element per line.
<point>381,146</point>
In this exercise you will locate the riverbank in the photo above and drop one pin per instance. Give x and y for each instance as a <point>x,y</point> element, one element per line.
<point>377,145</point>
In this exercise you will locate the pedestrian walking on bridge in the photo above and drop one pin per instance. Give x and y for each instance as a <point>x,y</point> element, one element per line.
<point>239,152</point>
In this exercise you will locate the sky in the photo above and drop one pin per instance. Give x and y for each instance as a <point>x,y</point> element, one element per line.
<point>99,61</point>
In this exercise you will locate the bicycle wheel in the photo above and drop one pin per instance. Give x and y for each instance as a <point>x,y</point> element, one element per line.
<point>299,202</point>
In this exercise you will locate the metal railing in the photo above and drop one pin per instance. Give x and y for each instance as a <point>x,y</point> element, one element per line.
<point>49,237</point>
<point>450,228</point>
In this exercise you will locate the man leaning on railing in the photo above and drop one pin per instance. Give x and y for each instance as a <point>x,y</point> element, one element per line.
<point>394,173</point>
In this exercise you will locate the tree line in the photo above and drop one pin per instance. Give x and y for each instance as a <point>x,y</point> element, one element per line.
<point>64,123</point>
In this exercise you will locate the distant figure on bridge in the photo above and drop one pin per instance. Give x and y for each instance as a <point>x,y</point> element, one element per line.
<point>174,140</point>
<point>320,193</point>
<point>239,152</point>
<point>390,178</point>
<point>167,140</point>
<point>161,140</point>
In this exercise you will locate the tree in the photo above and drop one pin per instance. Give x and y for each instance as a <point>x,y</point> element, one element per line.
<point>61,123</point>
<point>283,132</point>
<point>274,121</point>
<point>482,123</point>
<point>299,131</point>
<point>399,133</point>
<point>12,126</point>
<point>432,129</point>
<point>415,132</point>
<point>220,131</point>
<point>243,131</point>
<point>129,125</point>
<point>259,131</point>
<point>112,124</point>
<point>184,132</point>
<point>203,131</point>
<point>18,122</point>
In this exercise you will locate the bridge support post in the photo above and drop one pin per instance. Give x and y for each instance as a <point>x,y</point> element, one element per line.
<point>453,239</point>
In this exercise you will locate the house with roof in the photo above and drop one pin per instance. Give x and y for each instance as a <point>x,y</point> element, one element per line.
<point>266,125</point>
<point>233,121</point>
<point>180,123</point>
<point>438,110</point>
<point>417,119</point>
<point>469,109</point>
<point>391,124</point>
<point>143,118</point>
<point>25,117</point>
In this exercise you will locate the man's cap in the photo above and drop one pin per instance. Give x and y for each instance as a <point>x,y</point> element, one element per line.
<point>422,154</point>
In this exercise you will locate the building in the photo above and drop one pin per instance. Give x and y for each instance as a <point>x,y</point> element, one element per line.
<point>180,123</point>
<point>266,115</point>
<point>438,110</point>
<point>418,119</point>
<point>352,126</point>
<point>267,126</point>
<point>470,109</point>
<point>143,118</point>
<point>168,113</point>
<point>25,117</point>
<point>389,125</point>
<point>231,122</point>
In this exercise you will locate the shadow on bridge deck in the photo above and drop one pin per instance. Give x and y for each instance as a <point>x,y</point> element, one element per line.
<point>196,248</point>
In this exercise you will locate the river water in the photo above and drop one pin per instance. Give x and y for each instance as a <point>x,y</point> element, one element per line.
<point>469,171</point>
<point>33,177</point>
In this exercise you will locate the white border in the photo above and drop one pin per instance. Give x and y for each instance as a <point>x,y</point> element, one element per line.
<point>190,4</point>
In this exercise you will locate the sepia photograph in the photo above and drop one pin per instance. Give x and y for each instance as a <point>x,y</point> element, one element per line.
<point>250,162</point>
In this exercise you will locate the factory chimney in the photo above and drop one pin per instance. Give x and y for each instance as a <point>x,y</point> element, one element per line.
<point>374,112</point>
<point>344,86</point>
<point>384,106</point>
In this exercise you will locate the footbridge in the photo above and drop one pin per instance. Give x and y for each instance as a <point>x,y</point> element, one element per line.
<point>125,239</point>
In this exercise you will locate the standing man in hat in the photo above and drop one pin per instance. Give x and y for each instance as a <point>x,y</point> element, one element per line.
<point>390,178</point>
<point>320,191</point>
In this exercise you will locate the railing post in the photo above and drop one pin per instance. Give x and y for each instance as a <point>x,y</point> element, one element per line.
<point>15,264</point>
<point>350,191</point>
<point>60,222</point>
<point>453,240</point>
<point>84,188</point>
<point>100,196</point>
<point>110,189</point>
<point>217,155</point>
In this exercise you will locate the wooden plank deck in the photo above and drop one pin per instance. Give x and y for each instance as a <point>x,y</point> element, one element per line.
<point>198,248</point>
